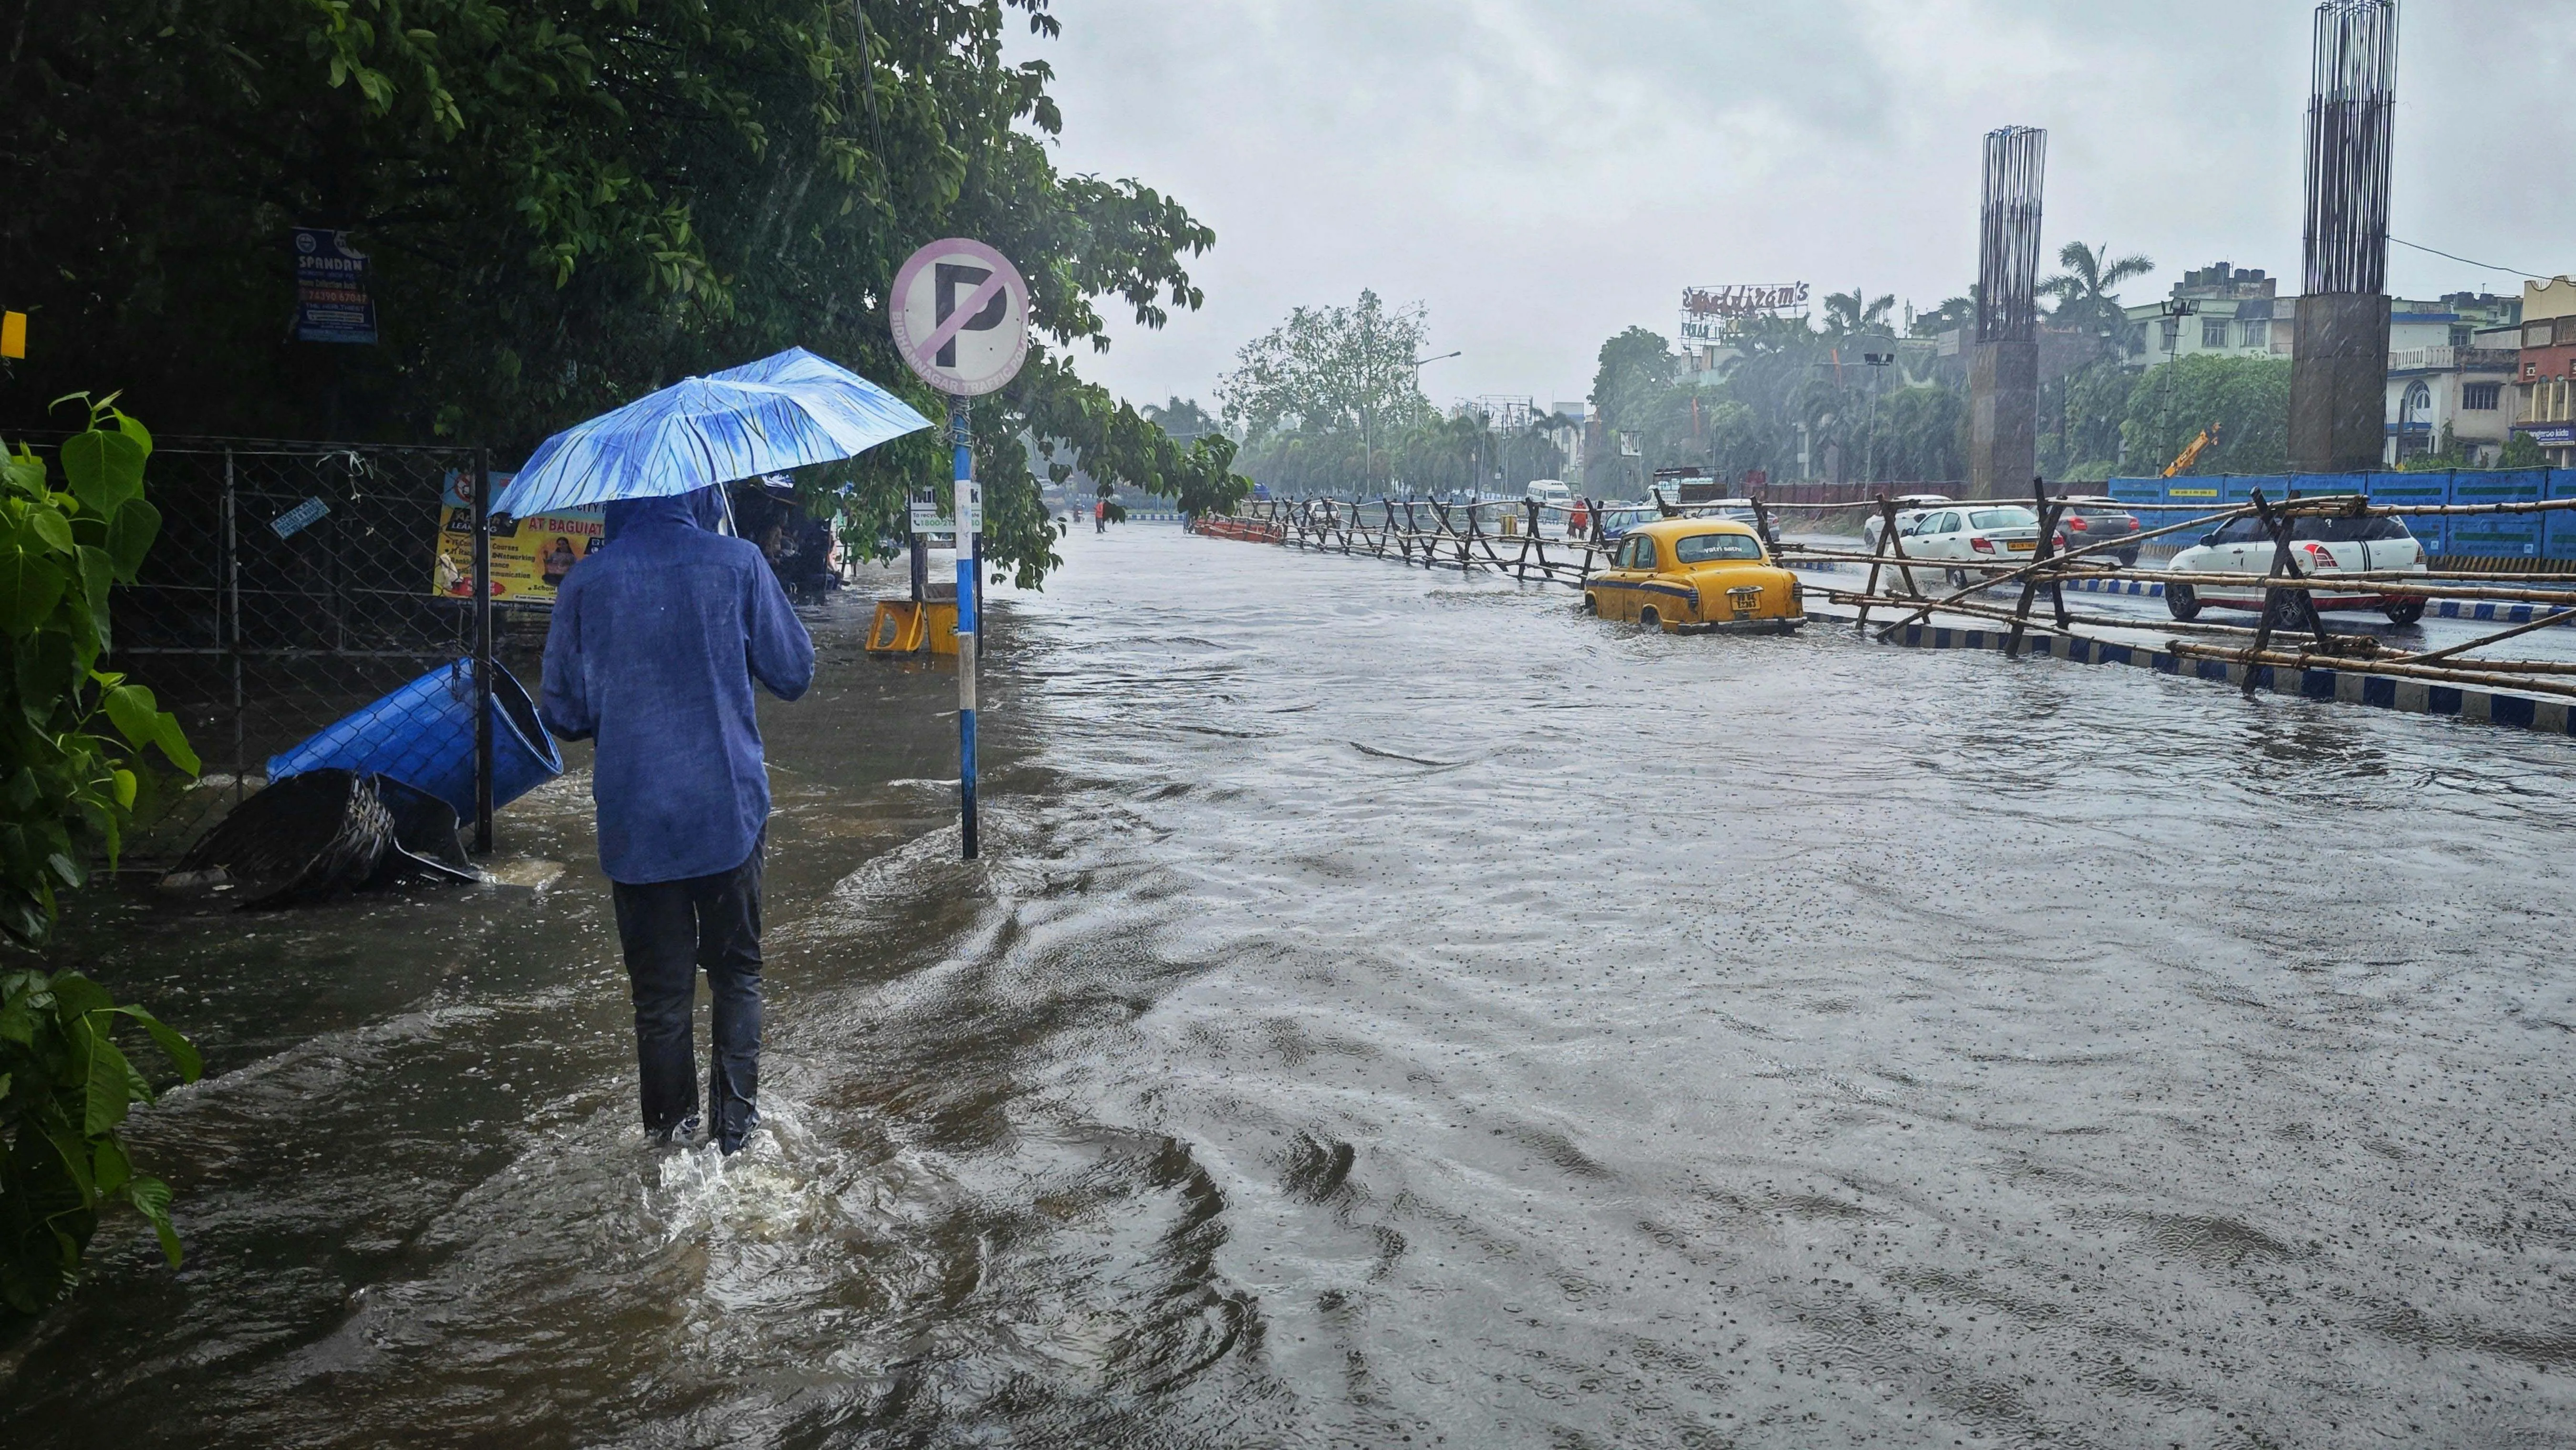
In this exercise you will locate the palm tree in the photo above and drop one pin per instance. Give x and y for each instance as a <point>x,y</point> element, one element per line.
<point>2083,290</point>
<point>1846,314</point>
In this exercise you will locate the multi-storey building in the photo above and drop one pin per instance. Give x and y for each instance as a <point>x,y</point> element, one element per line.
<point>2223,309</point>
<point>2545,390</point>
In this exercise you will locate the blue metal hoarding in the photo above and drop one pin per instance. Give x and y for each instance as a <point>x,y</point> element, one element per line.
<point>2133,490</point>
<point>2416,488</point>
<point>2558,531</point>
<point>2497,536</point>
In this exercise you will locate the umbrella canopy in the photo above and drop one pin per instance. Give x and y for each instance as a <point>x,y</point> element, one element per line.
<point>777,413</point>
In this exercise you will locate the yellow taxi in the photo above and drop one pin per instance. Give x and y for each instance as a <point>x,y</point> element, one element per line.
<point>1688,576</point>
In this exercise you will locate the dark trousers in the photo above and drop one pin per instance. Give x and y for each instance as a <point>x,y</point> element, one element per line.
<point>670,930</point>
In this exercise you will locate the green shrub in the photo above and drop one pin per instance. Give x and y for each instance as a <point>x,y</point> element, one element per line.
<point>73,762</point>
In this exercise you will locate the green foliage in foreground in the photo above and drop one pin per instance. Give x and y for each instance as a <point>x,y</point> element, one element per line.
<point>64,1087</point>
<point>73,762</point>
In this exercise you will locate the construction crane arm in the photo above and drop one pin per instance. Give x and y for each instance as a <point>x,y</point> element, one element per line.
<point>2191,452</point>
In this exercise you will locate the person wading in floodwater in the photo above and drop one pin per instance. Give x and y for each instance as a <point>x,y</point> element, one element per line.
<point>655,643</point>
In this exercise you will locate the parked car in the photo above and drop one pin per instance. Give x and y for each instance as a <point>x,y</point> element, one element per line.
<point>1734,510</point>
<point>1692,576</point>
<point>1618,518</point>
<point>2090,522</point>
<point>1909,507</point>
<point>2318,545</point>
<point>1979,533</point>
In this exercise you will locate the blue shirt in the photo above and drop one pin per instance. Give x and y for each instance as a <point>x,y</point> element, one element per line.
<point>655,642</point>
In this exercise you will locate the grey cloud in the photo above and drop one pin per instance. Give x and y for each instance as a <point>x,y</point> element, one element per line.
<point>1542,173</point>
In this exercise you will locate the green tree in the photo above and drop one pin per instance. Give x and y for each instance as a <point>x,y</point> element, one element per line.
<point>2083,291</point>
<point>1182,418</point>
<point>2082,437</point>
<point>567,205</point>
<point>1321,398</point>
<point>2249,398</point>
<point>1847,315</point>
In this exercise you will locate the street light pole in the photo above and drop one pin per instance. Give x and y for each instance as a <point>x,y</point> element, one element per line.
<point>1878,362</point>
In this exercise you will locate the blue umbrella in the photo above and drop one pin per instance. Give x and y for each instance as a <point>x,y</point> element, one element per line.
<point>780,412</point>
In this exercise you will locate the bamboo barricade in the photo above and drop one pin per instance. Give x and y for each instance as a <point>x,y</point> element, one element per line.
<point>1475,536</point>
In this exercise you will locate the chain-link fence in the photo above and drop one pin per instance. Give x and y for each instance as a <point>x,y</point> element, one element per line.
<point>294,584</point>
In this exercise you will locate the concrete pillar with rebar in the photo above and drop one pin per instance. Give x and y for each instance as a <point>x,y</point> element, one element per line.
<point>2003,371</point>
<point>2339,373</point>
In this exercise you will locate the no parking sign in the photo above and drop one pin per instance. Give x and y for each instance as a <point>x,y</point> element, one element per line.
<point>960,315</point>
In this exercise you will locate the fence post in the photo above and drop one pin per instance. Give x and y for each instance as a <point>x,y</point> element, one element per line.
<point>482,651</point>
<point>228,627</point>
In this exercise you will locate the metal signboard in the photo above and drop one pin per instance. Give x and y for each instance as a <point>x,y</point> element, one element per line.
<point>295,520</point>
<point>960,313</point>
<point>1717,314</point>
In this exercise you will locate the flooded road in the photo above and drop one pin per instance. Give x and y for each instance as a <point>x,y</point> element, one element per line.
<point>1398,1010</point>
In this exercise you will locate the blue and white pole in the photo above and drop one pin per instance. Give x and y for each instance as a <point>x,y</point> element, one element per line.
<point>969,516</point>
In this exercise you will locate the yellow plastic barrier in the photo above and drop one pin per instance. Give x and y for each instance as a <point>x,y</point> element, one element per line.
<point>903,627</point>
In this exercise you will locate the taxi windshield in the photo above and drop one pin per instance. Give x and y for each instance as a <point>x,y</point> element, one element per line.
<point>1701,548</point>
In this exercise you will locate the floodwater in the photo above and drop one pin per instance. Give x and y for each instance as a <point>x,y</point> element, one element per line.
<point>1396,1010</point>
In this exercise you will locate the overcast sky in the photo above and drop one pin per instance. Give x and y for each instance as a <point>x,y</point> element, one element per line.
<point>1542,173</point>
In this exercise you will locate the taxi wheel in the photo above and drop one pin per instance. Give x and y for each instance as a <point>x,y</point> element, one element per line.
<point>1592,605</point>
<point>2181,602</point>
<point>1650,618</point>
<point>2405,611</point>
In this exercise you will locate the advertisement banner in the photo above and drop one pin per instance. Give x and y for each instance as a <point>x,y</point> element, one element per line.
<point>530,557</point>
<point>331,301</point>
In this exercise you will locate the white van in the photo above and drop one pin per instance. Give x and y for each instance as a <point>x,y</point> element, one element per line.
<point>1549,492</point>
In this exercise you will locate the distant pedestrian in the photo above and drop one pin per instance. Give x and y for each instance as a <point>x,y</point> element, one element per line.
<point>1100,516</point>
<point>653,649</point>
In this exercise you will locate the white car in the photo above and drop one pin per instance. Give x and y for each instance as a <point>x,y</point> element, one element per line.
<point>1909,508</point>
<point>1988,533</point>
<point>2318,545</point>
<point>1549,493</point>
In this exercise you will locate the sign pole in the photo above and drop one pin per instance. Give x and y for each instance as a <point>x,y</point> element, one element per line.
<point>968,515</point>
<point>959,312</point>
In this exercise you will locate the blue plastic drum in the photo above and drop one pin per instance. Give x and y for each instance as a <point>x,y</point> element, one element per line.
<point>423,735</point>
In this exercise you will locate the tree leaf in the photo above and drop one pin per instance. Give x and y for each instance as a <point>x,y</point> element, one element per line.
<point>135,714</point>
<point>47,675</point>
<point>109,1168</point>
<point>173,739</point>
<point>104,469</point>
<point>108,1091</point>
<point>130,532</point>
<point>182,1052</point>
<point>30,587</point>
<point>50,526</point>
<point>77,996</point>
<point>151,1198</point>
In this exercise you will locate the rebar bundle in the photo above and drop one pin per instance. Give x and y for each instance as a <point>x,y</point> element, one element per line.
<point>2351,126</point>
<point>2008,239</point>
